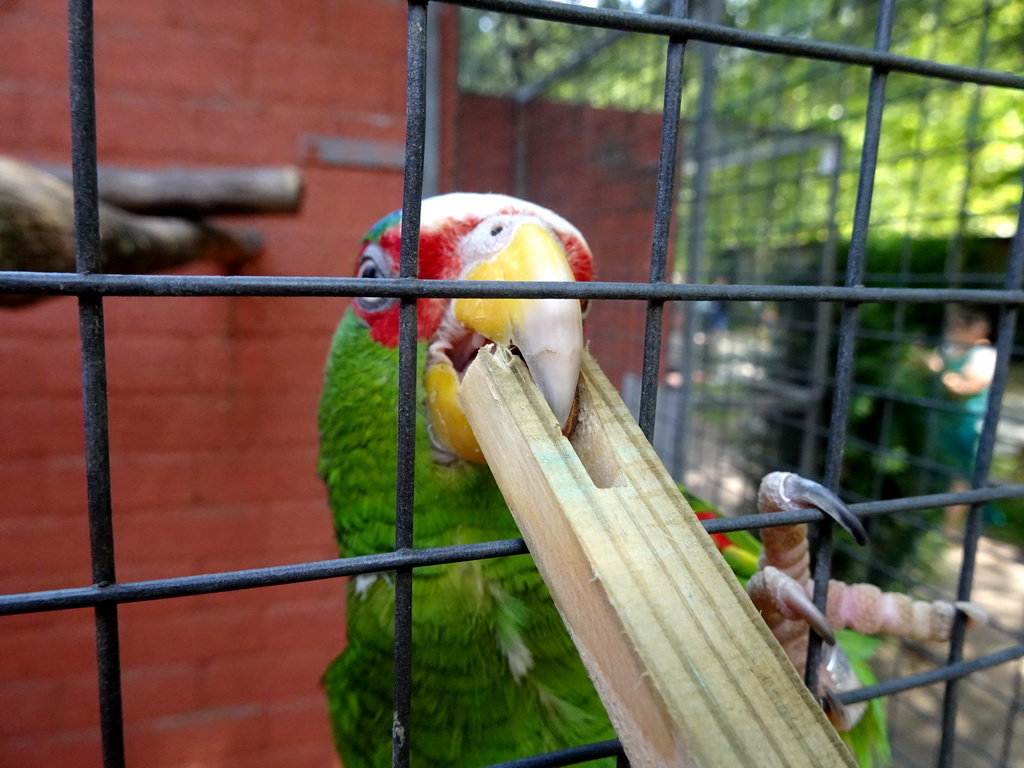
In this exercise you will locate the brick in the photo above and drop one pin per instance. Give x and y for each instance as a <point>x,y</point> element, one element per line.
<point>314,319</point>
<point>316,616</point>
<point>278,420</point>
<point>64,489</point>
<point>154,692</point>
<point>232,20</point>
<point>295,525</point>
<point>284,676</point>
<point>166,362</point>
<point>28,366</point>
<point>199,738</point>
<point>81,748</point>
<point>122,16</point>
<point>34,53</point>
<point>55,318</point>
<point>31,652</point>
<point>47,707</point>
<point>196,317</point>
<point>241,133</point>
<point>168,422</point>
<point>42,426</point>
<point>295,22</point>
<point>146,482</point>
<point>354,200</point>
<point>143,129</point>
<point>49,122</point>
<point>260,477</point>
<point>190,535</point>
<point>359,79</point>
<point>14,126</point>
<point>170,64</point>
<point>23,481</point>
<point>178,632</point>
<point>43,545</point>
<point>317,755</point>
<point>299,722</point>
<point>378,27</point>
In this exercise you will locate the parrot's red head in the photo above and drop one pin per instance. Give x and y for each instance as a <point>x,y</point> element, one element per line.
<point>482,237</point>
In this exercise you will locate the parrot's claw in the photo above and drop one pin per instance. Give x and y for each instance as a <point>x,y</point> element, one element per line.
<point>976,615</point>
<point>807,493</point>
<point>842,716</point>
<point>790,599</point>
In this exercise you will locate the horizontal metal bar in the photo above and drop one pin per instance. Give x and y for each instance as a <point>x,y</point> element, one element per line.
<point>203,584</point>
<point>570,756</point>
<point>72,284</point>
<point>931,676</point>
<point>689,29</point>
<point>227,581</point>
<point>866,509</point>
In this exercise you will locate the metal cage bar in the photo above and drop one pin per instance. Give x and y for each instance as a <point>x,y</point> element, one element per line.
<point>672,104</point>
<point>90,286</point>
<point>848,320</point>
<point>412,194</point>
<point>94,374</point>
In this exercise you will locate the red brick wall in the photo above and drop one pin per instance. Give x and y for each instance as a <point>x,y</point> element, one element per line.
<point>598,168</point>
<point>212,400</point>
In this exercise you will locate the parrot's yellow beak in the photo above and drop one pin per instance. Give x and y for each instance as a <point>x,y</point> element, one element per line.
<point>547,332</point>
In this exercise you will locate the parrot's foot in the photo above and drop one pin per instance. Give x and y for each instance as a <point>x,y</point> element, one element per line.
<point>782,588</point>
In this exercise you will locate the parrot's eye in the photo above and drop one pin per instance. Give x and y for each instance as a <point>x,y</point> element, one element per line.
<point>374,264</point>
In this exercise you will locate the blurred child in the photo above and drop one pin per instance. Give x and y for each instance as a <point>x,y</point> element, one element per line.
<point>966,364</point>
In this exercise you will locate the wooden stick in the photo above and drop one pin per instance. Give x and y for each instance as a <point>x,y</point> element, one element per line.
<point>685,666</point>
<point>37,233</point>
<point>193,192</point>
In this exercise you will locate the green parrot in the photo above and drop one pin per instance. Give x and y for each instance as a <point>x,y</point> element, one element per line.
<point>495,674</point>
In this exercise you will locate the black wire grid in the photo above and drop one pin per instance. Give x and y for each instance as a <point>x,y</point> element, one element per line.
<point>90,286</point>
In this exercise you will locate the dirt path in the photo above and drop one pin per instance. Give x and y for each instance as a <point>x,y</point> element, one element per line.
<point>990,726</point>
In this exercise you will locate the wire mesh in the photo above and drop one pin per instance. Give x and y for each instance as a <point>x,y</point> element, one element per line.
<point>737,158</point>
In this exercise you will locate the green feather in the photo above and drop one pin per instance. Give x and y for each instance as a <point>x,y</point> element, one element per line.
<point>495,675</point>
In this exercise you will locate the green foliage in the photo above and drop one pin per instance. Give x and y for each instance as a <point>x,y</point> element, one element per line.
<point>950,157</point>
<point>869,739</point>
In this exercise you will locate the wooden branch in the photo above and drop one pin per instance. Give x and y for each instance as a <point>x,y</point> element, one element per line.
<point>686,667</point>
<point>37,233</point>
<point>197,192</point>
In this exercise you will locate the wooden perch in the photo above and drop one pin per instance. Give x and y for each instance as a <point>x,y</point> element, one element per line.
<point>197,192</point>
<point>37,233</point>
<point>686,667</point>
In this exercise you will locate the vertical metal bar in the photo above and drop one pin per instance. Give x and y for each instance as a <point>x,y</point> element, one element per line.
<point>1013,711</point>
<point>822,315</point>
<point>407,335</point>
<point>848,325</point>
<point>986,443</point>
<point>94,373</point>
<point>695,240</point>
<point>972,146</point>
<point>432,109</point>
<point>663,210</point>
